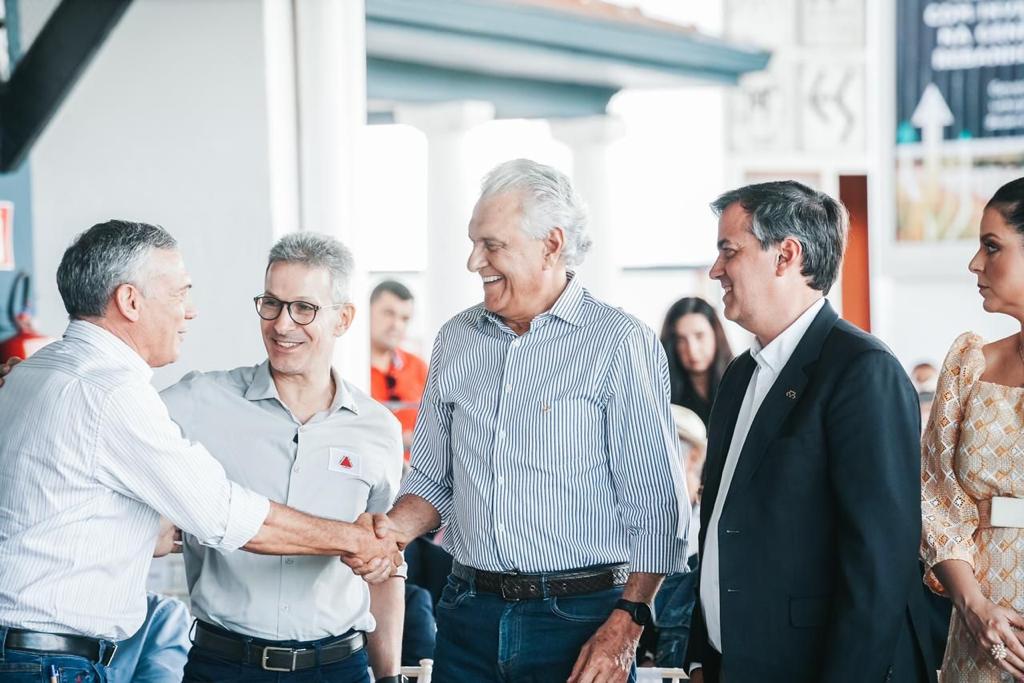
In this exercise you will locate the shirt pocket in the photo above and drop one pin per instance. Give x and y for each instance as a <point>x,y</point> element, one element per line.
<point>568,431</point>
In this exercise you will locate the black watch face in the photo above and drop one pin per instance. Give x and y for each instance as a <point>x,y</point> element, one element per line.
<point>642,614</point>
<point>640,611</point>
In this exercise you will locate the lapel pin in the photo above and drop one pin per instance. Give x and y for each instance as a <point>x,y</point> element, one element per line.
<point>791,394</point>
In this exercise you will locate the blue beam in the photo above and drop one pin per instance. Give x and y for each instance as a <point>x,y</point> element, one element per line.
<point>643,46</point>
<point>512,97</point>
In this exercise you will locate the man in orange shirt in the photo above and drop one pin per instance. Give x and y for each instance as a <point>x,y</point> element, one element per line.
<point>397,377</point>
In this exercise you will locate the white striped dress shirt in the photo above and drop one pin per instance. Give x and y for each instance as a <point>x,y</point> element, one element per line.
<point>89,460</point>
<point>554,450</point>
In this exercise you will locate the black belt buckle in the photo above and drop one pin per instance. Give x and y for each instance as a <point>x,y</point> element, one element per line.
<point>106,654</point>
<point>285,650</point>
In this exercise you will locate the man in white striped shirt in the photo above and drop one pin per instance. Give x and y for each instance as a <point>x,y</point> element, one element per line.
<point>546,445</point>
<point>90,460</point>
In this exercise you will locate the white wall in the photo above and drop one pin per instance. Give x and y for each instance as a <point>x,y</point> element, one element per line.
<point>168,125</point>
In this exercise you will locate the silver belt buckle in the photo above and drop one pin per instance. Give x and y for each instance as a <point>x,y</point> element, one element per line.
<point>266,654</point>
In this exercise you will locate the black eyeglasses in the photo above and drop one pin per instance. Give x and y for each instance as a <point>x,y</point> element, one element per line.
<point>301,312</point>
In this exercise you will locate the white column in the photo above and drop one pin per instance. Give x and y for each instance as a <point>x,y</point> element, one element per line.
<point>590,138</point>
<point>452,190</point>
<point>330,49</point>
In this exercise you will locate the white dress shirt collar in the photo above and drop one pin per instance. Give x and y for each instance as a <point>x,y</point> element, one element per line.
<point>777,353</point>
<point>110,345</point>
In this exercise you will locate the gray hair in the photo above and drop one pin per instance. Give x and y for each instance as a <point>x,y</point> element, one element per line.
<point>787,208</point>
<point>103,258</point>
<point>549,201</point>
<point>317,250</point>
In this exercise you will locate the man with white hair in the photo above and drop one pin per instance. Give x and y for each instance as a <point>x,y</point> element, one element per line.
<point>89,461</point>
<point>546,445</point>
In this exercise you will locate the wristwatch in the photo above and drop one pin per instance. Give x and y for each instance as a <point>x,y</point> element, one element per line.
<point>397,678</point>
<point>639,611</point>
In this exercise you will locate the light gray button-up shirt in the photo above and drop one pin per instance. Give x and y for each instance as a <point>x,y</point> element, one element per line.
<point>344,461</point>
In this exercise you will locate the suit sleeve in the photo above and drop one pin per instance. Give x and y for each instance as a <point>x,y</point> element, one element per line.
<point>872,428</point>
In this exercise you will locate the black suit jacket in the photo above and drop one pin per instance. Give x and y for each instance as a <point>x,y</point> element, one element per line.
<point>819,535</point>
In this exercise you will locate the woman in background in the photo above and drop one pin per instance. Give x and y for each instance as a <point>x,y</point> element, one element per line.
<point>698,353</point>
<point>973,460</point>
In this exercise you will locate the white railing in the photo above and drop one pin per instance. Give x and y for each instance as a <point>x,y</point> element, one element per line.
<point>422,673</point>
<point>656,675</point>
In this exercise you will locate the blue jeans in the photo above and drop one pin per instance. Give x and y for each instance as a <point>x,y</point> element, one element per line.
<point>18,666</point>
<point>483,638</point>
<point>158,650</point>
<point>673,607</point>
<point>206,667</point>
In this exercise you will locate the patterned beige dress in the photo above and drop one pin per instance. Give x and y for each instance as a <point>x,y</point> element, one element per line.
<point>973,450</point>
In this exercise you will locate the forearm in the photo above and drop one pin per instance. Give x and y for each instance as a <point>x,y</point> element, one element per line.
<point>957,577</point>
<point>642,587</point>
<point>411,517</point>
<point>384,644</point>
<point>287,531</point>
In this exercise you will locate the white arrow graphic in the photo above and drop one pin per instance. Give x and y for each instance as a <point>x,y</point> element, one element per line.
<point>931,116</point>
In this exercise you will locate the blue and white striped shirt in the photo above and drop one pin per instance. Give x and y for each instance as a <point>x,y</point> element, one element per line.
<point>554,450</point>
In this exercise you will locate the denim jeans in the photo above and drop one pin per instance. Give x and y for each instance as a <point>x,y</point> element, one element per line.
<point>158,650</point>
<point>18,666</point>
<point>483,638</point>
<point>673,607</point>
<point>207,667</point>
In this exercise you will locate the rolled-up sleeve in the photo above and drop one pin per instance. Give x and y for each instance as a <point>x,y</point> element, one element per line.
<point>430,476</point>
<point>644,455</point>
<point>144,456</point>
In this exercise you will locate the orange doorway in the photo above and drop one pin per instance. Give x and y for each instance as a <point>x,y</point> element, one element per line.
<point>853,192</point>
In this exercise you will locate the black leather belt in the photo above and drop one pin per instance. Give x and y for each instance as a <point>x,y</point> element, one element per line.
<point>244,650</point>
<point>514,586</point>
<point>98,651</point>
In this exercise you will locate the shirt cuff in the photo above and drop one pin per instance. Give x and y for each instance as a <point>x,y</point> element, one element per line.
<point>440,497</point>
<point>693,667</point>
<point>658,554</point>
<point>402,571</point>
<point>246,514</point>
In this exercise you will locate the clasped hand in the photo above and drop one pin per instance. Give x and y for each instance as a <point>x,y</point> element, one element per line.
<point>378,552</point>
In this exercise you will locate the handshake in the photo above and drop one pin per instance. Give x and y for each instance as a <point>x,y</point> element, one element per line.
<point>377,548</point>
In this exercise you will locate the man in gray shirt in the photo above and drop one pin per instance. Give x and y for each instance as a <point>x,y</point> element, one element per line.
<point>294,430</point>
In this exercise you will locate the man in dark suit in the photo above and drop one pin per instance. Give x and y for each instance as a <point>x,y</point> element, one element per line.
<point>810,520</point>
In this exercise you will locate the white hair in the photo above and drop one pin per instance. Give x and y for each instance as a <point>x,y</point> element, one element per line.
<point>548,201</point>
<point>317,251</point>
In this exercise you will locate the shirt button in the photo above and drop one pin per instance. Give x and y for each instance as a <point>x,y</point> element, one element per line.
<point>296,469</point>
<point>289,561</point>
<point>508,388</point>
<point>284,608</point>
<point>501,480</point>
<point>501,434</point>
<point>516,343</point>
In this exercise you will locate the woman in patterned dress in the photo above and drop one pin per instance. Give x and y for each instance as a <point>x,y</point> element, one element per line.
<point>973,452</point>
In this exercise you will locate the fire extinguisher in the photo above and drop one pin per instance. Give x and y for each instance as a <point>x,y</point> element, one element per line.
<point>26,340</point>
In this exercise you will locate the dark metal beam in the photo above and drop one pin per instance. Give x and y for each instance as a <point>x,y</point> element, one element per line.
<point>47,72</point>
